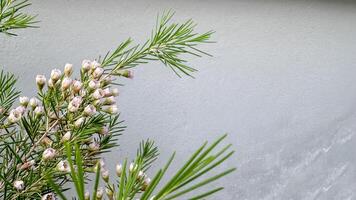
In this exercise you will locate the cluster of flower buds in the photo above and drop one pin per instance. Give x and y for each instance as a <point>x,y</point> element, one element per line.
<point>141,176</point>
<point>16,114</point>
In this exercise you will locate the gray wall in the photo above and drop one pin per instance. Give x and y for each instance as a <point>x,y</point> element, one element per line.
<point>281,83</point>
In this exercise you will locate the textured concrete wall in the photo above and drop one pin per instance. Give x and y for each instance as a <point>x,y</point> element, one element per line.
<point>282,83</point>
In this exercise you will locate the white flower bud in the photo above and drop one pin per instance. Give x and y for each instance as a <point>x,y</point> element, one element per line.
<point>66,83</point>
<point>86,64</point>
<point>141,175</point>
<point>19,185</point>
<point>66,137</point>
<point>107,80</point>
<point>118,170</point>
<point>33,102</point>
<point>99,193</point>
<point>146,183</point>
<point>21,109</point>
<point>98,102</point>
<point>98,94</point>
<point>115,92</point>
<point>104,130</point>
<point>77,86</point>
<point>133,167</point>
<point>105,175</point>
<point>86,195</point>
<point>89,110</point>
<point>24,101</point>
<point>39,110</point>
<point>49,196</point>
<point>111,109</point>
<point>50,83</point>
<point>94,146</point>
<point>56,75</point>
<point>49,154</point>
<point>109,193</point>
<point>40,81</point>
<point>63,166</point>
<point>14,116</point>
<point>98,72</point>
<point>94,65</point>
<point>93,84</point>
<point>68,69</point>
<point>79,122</point>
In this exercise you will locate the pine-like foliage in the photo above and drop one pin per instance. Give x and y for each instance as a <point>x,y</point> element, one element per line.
<point>12,17</point>
<point>59,135</point>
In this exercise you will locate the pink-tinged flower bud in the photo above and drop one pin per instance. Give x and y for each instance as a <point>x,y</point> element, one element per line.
<point>93,84</point>
<point>2,110</point>
<point>109,100</point>
<point>94,146</point>
<point>74,105</point>
<point>118,170</point>
<point>66,137</point>
<point>102,164</point>
<point>86,195</point>
<point>63,166</point>
<point>27,165</point>
<point>115,92</point>
<point>40,81</point>
<point>77,86</point>
<point>24,101</point>
<point>34,102</point>
<point>106,92</point>
<point>105,175</point>
<point>66,83</point>
<point>39,110</point>
<point>128,74</point>
<point>21,109</point>
<point>46,141</point>
<point>99,193</point>
<point>98,72</point>
<point>98,94</point>
<point>14,116</point>
<point>68,69</point>
<point>49,154</point>
<point>19,185</point>
<point>86,65</point>
<point>109,193</point>
<point>89,110</point>
<point>104,130</point>
<point>49,196</point>
<point>95,64</point>
<point>111,109</point>
<point>50,83</point>
<point>79,122</point>
<point>56,75</point>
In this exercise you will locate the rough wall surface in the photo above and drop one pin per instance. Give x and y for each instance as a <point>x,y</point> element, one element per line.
<point>282,83</point>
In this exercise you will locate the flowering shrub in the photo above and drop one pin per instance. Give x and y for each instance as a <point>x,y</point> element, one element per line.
<point>58,136</point>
